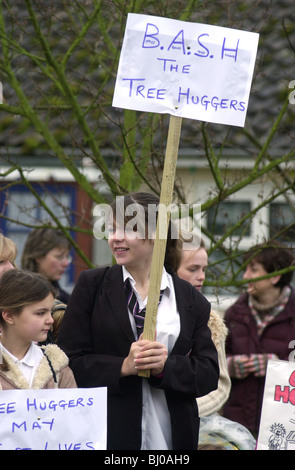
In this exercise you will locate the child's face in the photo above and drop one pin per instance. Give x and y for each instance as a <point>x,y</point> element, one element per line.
<point>34,321</point>
<point>193,266</point>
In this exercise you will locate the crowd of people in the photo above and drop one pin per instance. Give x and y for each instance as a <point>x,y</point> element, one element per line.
<point>207,373</point>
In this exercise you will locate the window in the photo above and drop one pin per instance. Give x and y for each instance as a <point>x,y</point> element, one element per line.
<point>19,204</point>
<point>282,222</point>
<point>226,215</point>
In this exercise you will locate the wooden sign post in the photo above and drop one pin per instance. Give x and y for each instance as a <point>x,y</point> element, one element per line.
<point>183,69</point>
<point>166,196</point>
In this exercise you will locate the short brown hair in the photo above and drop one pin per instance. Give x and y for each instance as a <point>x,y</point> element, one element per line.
<point>273,256</point>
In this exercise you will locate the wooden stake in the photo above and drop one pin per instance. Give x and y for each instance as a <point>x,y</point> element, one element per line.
<point>166,196</point>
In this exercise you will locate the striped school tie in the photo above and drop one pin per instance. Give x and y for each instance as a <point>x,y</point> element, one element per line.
<point>133,305</point>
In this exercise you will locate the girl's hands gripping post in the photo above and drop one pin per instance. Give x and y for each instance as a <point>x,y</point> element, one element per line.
<point>145,355</point>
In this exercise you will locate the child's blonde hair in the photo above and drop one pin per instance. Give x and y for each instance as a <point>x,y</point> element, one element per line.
<point>8,250</point>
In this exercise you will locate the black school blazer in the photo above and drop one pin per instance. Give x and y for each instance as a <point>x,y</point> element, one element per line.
<point>96,335</point>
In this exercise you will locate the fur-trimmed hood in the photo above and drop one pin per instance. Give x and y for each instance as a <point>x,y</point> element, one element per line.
<point>54,362</point>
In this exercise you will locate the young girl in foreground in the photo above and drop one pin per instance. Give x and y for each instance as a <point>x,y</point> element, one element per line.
<point>99,335</point>
<point>26,301</point>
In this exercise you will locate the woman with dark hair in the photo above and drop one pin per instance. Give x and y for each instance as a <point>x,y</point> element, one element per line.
<point>261,325</point>
<point>104,340</point>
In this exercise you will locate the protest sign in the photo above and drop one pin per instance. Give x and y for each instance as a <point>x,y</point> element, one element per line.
<point>277,424</point>
<point>53,419</point>
<point>185,69</point>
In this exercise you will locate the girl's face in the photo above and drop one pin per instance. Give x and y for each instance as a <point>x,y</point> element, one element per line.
<point>54,263</point>
<point>34,321</point>
<point>193,266</point>
<point>129,249</point>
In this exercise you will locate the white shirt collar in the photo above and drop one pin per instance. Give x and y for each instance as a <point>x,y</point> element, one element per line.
<point>164,280</point>
<point>28,359</point>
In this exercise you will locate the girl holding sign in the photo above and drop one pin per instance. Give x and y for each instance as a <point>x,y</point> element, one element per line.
<point>99,334</point>
<point>26,301</point>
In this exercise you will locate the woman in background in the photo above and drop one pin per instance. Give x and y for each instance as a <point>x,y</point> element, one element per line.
<point>47,251</point>
<point>261,327</point>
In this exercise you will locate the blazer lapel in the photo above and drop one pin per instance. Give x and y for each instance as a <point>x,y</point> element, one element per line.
<point>114,289</point>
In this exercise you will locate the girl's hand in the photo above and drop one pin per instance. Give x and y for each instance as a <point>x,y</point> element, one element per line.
<point>151,356</point>
<point>129,365</point>
<point>145,355</point>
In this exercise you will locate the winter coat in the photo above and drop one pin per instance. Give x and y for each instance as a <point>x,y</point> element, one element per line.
<point>214,401</point>
<point>55,360</point>
<point>245,401</point>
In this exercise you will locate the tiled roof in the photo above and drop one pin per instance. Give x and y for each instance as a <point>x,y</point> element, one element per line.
<point>275,68</point>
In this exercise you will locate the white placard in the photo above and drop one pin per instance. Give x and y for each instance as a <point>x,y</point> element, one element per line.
<point>277,424</point>
<point>189,70</point>
<point>53,419</point>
